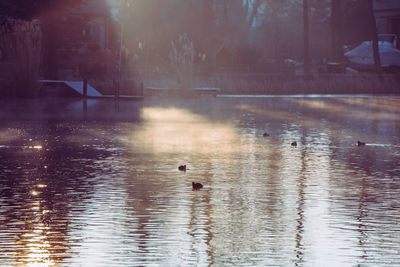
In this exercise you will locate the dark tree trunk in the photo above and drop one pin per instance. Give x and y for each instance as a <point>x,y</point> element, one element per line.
<point>49,64</point>
<point>225,12</point>
<point>208,22</point>
<point>336,24</point>
<point>207,16</point>
<point>375,45</point>
<point>306,37</point>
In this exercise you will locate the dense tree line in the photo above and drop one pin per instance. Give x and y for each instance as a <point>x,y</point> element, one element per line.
<point>255,29</point>
<point>28,9</point>
<point>49,12</point>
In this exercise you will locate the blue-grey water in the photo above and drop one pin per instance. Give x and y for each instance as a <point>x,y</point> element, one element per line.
<point>97,183</point>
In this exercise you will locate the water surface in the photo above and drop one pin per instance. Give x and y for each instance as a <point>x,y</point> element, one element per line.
<point>97,183</point>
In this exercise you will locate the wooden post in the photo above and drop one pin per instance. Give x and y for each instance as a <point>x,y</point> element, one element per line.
<point>85,88</point>
<point>84,107</point>
<point>141,89</point>
<point>116,88</point>
<point>85,98</point>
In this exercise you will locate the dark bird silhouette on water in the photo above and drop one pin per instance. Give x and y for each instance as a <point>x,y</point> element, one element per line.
<point>182,168</point>
<point>266,134</point>
<point>196,186</point>
<point>360,143</point>
<point>294,144</point>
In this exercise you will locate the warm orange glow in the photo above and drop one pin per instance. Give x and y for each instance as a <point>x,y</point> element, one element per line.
<point>282,115</point>
<point>37,249</point>
<point>389,105</point>
<point>37,147</point>
<point>11,134</point>
<point>273,113</point>
<point>178,130</point>
<point>350,109</point>
<point>38,254</point>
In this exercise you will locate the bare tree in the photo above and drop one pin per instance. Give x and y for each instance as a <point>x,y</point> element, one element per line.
<point>255,5</point>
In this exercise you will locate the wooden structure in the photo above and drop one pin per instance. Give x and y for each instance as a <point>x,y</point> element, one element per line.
<point>58,88</point>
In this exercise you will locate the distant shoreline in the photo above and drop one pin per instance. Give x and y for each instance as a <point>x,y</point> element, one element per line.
<point>286,84</point>
<point>269,84</point>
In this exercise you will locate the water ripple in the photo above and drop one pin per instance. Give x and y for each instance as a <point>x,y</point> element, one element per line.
<point>108,193</point>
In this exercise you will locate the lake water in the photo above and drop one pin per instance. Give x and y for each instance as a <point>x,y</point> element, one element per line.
<point>98,184</point>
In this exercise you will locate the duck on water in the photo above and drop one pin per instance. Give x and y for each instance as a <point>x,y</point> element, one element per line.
<point>196,186</point>
<point>182,168</point>
<point>360,143</point>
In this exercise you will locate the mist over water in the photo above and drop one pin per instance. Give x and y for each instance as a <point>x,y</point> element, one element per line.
<point>98,184</point>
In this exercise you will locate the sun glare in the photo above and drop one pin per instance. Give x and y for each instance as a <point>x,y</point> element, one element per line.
<point>37,249</point>
<point>178,130</point>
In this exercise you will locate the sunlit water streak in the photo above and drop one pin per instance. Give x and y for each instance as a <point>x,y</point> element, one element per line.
<point>102,187</point>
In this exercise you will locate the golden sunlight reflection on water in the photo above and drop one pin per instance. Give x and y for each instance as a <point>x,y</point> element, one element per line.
<point>35,246</point>
<point>177,130</point>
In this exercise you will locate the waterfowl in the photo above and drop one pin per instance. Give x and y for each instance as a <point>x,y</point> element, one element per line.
<point>182,168</point>
<point>360,143</point>
<point>266,134</point>
<point>196,186</point>
<point>294,144</point>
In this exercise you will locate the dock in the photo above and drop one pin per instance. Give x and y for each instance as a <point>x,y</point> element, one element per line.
<point>171,92</point>
<point>76,89</point>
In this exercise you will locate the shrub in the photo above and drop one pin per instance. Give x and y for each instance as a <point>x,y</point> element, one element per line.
<point>21,43</point>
